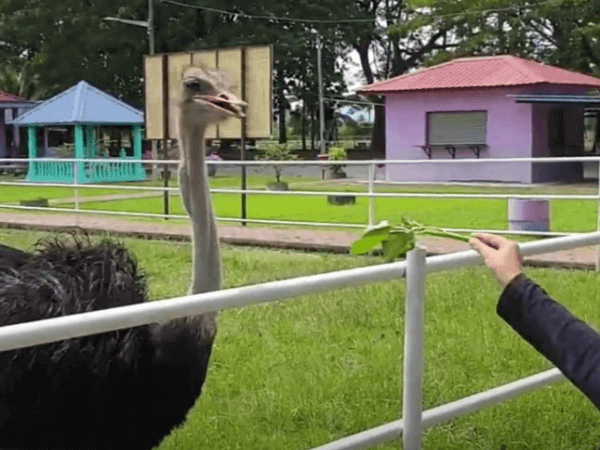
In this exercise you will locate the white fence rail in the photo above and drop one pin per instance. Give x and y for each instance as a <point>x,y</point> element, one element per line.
<point>415,269</point>
<point>371,194</point>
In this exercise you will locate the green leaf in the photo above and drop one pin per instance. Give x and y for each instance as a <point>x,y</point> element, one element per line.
<point>366,244</point>
<point>382,229</point>
<point>372,237</point>
<point>398,244</point>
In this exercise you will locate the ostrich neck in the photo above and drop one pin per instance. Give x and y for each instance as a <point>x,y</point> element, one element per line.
<point>206,261</point>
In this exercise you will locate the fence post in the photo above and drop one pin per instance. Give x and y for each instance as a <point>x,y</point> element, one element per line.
<point>75,183</point>
<point>166,180</point>
<point>598,222</point>
<point>414,325</point>
<point>372,216</point>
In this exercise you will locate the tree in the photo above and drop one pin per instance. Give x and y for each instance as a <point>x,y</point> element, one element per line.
<point>64,41</point>
<point>564,32</point>
<point>396,40</point>
<point>20,81</point>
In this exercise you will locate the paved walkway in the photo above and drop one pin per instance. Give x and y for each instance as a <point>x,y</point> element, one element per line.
<point>296,239</point>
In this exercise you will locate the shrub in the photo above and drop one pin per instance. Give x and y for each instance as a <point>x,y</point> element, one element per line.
<point>276,152</point>
<point>337,154</point>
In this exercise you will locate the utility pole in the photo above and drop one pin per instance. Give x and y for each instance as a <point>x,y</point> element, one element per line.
<point>151,27</point>
<point>321,106</point>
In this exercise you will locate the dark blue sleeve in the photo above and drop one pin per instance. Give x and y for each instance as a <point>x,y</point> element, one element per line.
<point>569,343</point>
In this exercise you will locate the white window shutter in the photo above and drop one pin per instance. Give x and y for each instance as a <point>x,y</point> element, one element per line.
<point>457,128</point>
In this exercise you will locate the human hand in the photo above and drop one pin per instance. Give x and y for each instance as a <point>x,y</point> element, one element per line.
<point>499,254</point>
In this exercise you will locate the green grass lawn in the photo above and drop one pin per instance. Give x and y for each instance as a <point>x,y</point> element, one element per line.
<point>293,375</point>
<point>13,194</point>
<point>565,215</point>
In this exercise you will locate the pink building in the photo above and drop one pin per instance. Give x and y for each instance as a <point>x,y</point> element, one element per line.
<point>486,107</point>
<point>10,107</point>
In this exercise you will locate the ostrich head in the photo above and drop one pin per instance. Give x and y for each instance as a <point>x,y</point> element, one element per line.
<point>206,99</point>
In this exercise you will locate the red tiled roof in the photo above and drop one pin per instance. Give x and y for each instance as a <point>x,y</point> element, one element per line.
<point>6,97</point>
<point>482,71</point>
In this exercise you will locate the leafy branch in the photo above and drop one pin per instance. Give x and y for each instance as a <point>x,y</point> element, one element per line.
<point>397,241</point>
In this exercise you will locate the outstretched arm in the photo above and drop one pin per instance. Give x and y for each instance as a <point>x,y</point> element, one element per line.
<point>569,343</point>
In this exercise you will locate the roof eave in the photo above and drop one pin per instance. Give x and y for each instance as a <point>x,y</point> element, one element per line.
<point>16,104</point>
<point>462,88</point>
<point>64,124</point>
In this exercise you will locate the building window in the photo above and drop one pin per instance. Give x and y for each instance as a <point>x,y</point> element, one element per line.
<point>458,128</point>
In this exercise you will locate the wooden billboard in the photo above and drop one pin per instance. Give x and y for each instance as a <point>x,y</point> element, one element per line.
<point>250,70</point>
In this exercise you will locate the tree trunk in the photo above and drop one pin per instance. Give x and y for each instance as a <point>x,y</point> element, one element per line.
<point>363,52</point>
<point>282,107</point>
<point>312,130</point>
<point>303,122</point>
<point>378,135</point>
<point>282,129</point>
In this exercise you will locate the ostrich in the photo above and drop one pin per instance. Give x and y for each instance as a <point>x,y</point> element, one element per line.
<point>127,388</point>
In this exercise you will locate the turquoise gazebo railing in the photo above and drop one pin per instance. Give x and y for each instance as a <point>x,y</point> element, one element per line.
<point>114,171</point>
<point>51,171</point>
<point>92,171</point>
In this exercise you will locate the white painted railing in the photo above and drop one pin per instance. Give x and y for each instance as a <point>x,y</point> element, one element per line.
<point>415,269</point>
<point>371,193</point>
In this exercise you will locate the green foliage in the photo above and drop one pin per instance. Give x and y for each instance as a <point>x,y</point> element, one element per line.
<point>65,41</point>
<point>337,154</point>
<point>276,152</point>
<point>562,32</point>
<point>397,241</point>
<point>17,78</point>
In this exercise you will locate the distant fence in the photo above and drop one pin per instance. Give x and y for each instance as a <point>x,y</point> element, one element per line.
<point>414,269</point>
<point>370,192</point>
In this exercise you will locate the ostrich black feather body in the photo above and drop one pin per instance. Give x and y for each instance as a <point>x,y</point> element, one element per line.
<point>123,389</point>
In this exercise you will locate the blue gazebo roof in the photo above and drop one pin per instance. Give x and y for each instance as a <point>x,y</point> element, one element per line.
<point>81,104</point>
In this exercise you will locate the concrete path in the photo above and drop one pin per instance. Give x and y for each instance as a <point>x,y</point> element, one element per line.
<point>295,239</point>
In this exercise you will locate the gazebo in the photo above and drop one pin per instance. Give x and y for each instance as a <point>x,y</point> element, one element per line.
<point>86,108</point>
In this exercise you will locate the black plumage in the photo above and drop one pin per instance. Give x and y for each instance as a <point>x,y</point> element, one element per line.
<point>123,389</point>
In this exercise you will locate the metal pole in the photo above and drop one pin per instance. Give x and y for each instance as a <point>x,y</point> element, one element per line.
<point>166,181</point>
<point>151,27</point>
<point>371,191</point>
<point>598,222</point>
<point>75,183</point>
<point>244,184</point>
<point>243,140</point>
<point>321,107</point>
<point>412,398</point>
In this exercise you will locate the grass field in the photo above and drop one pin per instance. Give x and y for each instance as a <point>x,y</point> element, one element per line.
<point>293,375</point>
<point>13,194</point>
<point>565,215</point>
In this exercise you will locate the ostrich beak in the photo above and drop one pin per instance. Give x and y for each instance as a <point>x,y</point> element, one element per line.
<point>227,102</point>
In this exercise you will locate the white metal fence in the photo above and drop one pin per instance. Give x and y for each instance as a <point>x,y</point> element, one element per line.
<point>370,184</point>
<point>414,269</point>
